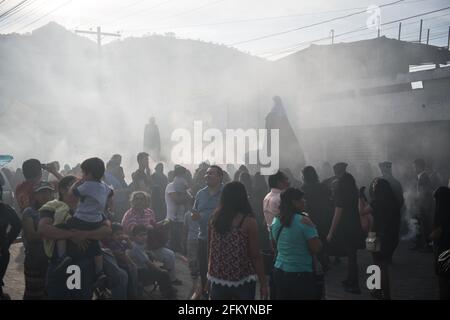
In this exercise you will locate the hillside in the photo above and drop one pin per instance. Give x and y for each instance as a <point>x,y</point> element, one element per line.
<point>53,81</point>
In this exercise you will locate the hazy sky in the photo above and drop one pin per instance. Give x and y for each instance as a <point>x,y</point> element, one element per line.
<point>232,21</point>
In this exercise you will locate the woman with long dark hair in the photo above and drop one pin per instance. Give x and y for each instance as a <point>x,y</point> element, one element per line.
<point>386,214</point>
<point>346,230</point>
<point>295,241</point>
<point>319,204</point>
<point>235,262</point>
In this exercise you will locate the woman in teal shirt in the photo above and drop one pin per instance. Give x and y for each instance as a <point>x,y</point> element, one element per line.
<point>295,240</point>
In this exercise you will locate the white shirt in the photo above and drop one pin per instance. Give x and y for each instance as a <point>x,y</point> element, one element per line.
<point>175,212</point>
<point>271,205</point>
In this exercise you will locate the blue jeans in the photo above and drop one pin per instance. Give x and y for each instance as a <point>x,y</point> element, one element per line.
<point>119,292</point>
<point>57,282</point>
<point>245,291</point>
<point>118,277</point>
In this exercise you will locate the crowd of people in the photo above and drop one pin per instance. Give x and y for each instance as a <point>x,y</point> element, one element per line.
<point>276,235</point>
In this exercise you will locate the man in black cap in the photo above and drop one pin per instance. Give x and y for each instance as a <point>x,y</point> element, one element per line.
<point>339,169</point>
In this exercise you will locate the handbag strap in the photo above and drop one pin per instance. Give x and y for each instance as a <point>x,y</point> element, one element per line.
<point>276,242</point>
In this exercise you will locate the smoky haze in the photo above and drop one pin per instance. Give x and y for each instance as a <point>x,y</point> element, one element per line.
<point>62,99</point>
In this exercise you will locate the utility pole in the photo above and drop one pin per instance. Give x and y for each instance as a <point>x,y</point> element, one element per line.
<point>399,30</point>
<point>420,33</point>
<point>332,36</point>
<point>99,34</point>
<point>428,36</point>
<point>448,40</point>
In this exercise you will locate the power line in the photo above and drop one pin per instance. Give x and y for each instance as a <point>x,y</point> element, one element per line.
<point>292,47</point>
<point>188,11</point>
<point>247,20</point>
<point>45,15</point>
<point>182,13</point>
<point>431,27</point>
<point>162,27</point>
<point>21,18</point>
<point>19,7</point>
<point>445,35</point>
<point>394,27</point>
<point>137,12</point>
<point>311,25</point>
<point>13,10</point>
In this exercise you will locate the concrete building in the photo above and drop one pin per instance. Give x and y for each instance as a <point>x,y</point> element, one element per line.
<point>369,101</point>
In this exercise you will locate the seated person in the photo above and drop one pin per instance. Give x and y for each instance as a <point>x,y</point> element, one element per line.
<point>118,244</point>
<point>140,214</point>
<point>147,271</point>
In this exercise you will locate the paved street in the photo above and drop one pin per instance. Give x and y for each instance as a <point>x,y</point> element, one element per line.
<point>411,274</point>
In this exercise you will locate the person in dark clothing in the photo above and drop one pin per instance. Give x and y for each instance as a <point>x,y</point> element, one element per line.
<point>295,183</point>
<point>113,167</point>
<point>36,261</point>
<point>291,153</point>
<point>385,211</point>
<point>319,204</point>
<point>246,180</point>
<point>237,174</point>
<point>424,206</point>
<point>159,178</point>
<point>339,169</point>
<point>441,235</point>
<point>386,174</point>
<point>188,177</point>
<point>326,170</point>
<point>115,177</point>
<point>158,205</point>
<point>141,178</point>
<point>152,140</point>
<point>8,220</point>
<point>346,228</point>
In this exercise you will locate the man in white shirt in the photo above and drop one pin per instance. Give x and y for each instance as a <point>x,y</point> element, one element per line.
<point>271,207</point>
<point>271,203</point>
<point>177,201</point>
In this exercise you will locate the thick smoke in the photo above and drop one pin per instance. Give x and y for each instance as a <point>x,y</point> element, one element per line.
<point>62,99</point>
